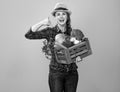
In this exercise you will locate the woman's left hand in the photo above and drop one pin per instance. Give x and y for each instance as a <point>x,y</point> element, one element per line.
<point>78,59</point>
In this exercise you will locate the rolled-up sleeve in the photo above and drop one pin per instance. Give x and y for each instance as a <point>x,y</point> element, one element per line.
<point>42,34</point>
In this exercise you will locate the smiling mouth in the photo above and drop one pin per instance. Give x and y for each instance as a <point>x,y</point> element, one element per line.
<point>61,20</point>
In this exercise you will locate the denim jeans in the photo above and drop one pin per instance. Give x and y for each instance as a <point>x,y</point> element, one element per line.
<point>63,81</point>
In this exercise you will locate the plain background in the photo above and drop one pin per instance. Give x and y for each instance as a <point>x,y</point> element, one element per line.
<point>23,66</point>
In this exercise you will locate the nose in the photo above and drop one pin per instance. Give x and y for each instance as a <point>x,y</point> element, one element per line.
<point>61,16</point>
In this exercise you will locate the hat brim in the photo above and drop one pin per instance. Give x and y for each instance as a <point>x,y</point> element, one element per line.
<point>67,11</point>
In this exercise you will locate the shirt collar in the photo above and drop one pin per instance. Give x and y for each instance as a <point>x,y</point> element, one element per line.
<point>58,29</point>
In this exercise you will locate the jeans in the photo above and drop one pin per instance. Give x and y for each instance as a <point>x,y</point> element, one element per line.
<point>63,81</point>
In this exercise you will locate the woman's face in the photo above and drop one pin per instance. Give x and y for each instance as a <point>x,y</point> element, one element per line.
<point>61,18</point>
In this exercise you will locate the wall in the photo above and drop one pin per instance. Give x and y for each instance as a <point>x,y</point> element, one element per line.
<point>24,68</point>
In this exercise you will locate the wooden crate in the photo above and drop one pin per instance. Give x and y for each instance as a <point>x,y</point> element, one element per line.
<point>68,55</point>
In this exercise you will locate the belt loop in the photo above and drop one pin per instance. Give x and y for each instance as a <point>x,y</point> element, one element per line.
<point>67,69</point>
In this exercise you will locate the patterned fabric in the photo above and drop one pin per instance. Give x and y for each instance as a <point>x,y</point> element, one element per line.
<point>46,49</point>
<point>49,35</point>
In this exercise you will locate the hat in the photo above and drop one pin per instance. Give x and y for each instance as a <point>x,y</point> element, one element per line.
<point>60,7</point>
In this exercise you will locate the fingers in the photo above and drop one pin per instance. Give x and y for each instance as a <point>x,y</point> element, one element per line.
<point>78,59</point>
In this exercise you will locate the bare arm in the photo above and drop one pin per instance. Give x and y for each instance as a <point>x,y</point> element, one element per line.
<point>35,32</point>
<point>44,23</point>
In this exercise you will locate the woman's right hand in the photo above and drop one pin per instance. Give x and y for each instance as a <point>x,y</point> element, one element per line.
<point>42,24</point>
<point>46,22</point>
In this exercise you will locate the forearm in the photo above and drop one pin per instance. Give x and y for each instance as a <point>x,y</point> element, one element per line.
<point>36,27</point>
<point>39,34</point>
<point>31,35</point>
<point>44,23</point>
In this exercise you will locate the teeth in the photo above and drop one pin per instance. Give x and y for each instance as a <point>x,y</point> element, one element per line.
<point>61,20</point>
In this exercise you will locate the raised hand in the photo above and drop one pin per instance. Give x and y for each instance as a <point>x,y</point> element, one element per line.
<point>42,24</point>
<point>46,22</point>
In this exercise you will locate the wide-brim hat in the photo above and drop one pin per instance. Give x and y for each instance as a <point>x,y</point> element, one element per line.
<point>60,7</point>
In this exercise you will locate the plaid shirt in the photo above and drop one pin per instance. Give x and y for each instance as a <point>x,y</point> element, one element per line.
<point>49,34</point>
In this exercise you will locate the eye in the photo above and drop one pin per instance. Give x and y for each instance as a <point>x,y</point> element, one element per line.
<point>57,14</point>
<point>63,13</point>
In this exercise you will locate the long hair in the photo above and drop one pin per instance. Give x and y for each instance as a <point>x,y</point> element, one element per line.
<point>47,47</point>
<point>68,25</point>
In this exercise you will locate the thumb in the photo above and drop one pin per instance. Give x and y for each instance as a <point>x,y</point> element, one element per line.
<point>49,22</point>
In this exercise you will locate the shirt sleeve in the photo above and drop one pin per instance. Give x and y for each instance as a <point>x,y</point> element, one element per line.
<point>42,34</point>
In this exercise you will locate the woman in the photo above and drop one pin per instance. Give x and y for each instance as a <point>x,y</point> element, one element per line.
<point>62,77</point>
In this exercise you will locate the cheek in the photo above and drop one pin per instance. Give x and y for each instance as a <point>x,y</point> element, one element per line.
<point>65,20</point>
<point>56,19</point>
<point>65,17</point>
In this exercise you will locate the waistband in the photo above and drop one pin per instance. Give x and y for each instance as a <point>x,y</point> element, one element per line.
<point>63,67</point>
